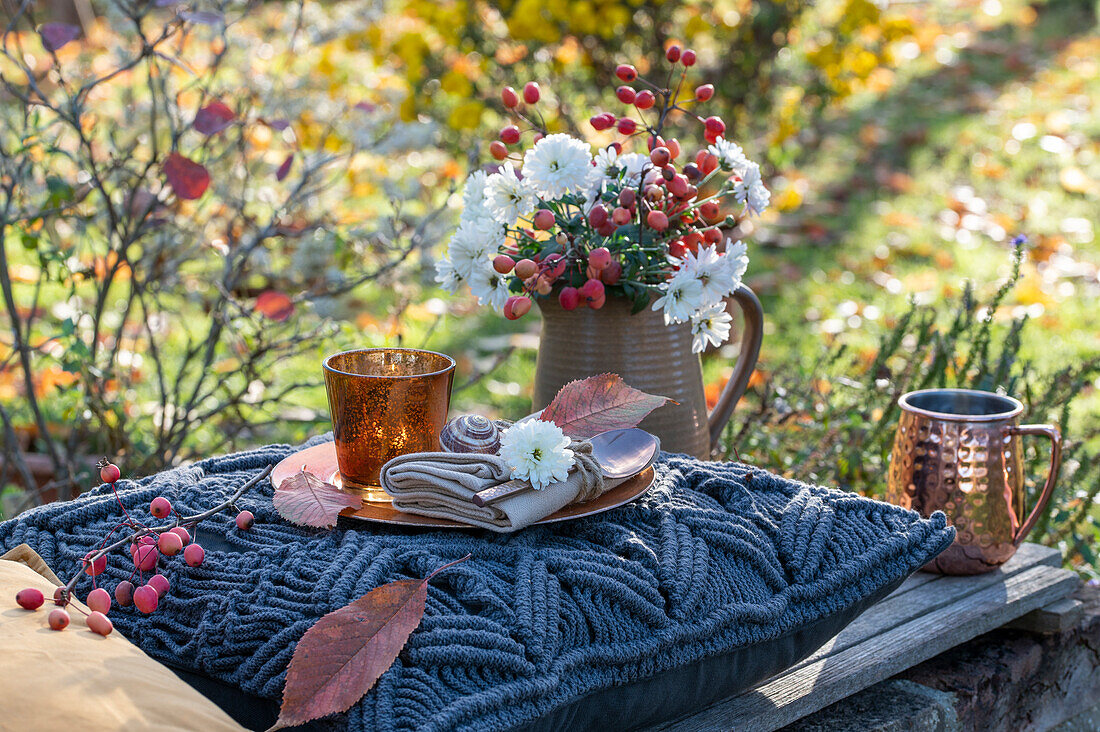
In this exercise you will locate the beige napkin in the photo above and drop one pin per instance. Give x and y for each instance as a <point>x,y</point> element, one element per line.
<point>443,484</point>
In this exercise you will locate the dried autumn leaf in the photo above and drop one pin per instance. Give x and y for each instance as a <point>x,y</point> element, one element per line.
<point>599,403</point>
<point>188,179</point>
<point>306,500</point>
<point>55,36</point>
<point>341,657</point>
<point>213,118</point>
<point>275,305</point>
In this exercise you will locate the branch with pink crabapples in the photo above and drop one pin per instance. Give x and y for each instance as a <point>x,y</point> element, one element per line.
<point>630,237</point>
<point>148,544</point>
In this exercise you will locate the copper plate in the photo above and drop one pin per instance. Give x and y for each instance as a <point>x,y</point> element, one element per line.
<point>321,461</point>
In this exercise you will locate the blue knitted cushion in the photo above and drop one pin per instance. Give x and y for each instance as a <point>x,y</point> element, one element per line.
<point>715,558</point>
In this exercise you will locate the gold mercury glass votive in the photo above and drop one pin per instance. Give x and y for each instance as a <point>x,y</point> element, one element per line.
<point>385,402</point>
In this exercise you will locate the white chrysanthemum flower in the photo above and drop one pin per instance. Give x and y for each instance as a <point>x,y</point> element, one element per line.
<point>474,201</point>
<point>509,197</point>
<point>717,278</point>
<point>750,190</point>
<point>634,164</point>
<point>473,243</point>
<point>556,165</point>
<point>604,167</point>
<point>730,155</point>
<point>489,286</point>
<point>537,451</point>
<point>447,276</point>
<point>710,325</point>
<point>682,296</point>
<point>736,261</point>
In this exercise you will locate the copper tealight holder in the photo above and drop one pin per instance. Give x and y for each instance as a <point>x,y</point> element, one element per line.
<point>385,402</point>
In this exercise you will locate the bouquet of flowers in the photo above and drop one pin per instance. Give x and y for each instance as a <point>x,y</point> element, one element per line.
<point>558,221</point>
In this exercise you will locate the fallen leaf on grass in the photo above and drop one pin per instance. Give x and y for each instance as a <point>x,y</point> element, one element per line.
<point>341,657</point>
<point>306,500</point>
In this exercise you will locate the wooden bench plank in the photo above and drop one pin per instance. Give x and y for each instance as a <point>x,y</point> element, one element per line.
<point>930,595</point>
<point>1058,617</point>
<point>808,688</point>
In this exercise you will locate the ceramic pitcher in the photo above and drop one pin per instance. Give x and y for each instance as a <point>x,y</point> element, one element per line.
<point>959,451</point>
<point>650,356</point>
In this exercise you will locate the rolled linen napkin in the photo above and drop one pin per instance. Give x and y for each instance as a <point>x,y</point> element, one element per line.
<point>443,484</point>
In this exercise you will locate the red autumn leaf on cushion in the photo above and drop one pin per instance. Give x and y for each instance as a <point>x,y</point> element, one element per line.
<point>590,406</point>
<point>341,657</point>
<point>306,500</point>
<point>284,169</point>
<point>188,179</point>
<point>275,305</point>
<point>55,36</point>
<point>213,118</point>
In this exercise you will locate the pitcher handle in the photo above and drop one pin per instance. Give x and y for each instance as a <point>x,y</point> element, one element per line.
<point>751,338</point>
<point>1055,437</point>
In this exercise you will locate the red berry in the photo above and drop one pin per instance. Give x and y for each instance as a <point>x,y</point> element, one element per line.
<point>159,583</point>
<point>109,473</point>
<point>509,97</point>
<point>704,92</point>
<point>714,125</point>
<point>657,220</point>
<point>626,126</point>
<point>531,92</point>
<point>621,216</point>
<point>245,519</point>
<point>607,229</point>
<point>601,122</point>
<point>510,135</point>
<point>678,186</point>
<point>526,268</point>
<point>597,217</point>
<point>538,136</point>
<point>97,622</point>
<point>672,53</point>
<point>713,236</point>
<point>30,598</point>
<point>569,298</point>
<point>145,557</point>
<point>599,258</point>
<point>660,156</point>
<point>691,170</point>
<point>592,290</point>
<point>557,263</point>
<point>183,534</point>
<point>58,619</point>
<point>617,147</point>
<point>544,219</point>
<point>170,544</point>
<point>709,210</point>
<point>99,600</point>
<point>645,99</point>
<point>498,150</point>
<point>503,264</point>
<point>687,58</point>
<point>597,303</point>
<point>692,240</point>
<point>673,146</point>
<point>626,72</point>
<point>193,555</point>
<point>676,248</point>
<point>625,94</point>
<point>627,197</point>
<point>612,273</point>
<point>124,592</point>
<point>516,307</point>
<point>709,164</point>
<point>146,598</point>
<point>61,597</point>
<point>94,567</point>
<point>160,507</point>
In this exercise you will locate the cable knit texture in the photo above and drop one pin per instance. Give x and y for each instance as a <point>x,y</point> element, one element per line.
<point>716,556</point>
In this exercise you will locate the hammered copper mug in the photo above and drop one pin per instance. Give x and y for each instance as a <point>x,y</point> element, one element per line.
<point>959,451</point>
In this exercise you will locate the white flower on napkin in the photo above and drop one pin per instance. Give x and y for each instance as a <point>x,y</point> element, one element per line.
<point>537,451</point>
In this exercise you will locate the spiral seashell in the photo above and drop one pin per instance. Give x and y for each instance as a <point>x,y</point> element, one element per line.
<point>470,433</point>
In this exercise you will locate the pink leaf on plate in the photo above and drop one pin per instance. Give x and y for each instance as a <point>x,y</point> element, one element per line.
<point>188,179</point>
<point>213,118</point>
<point>306,500</point>
<point>590,406</point>
<point>57,35</point>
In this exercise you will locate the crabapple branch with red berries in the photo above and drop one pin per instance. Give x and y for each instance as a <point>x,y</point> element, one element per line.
<point>554,219</point>
<point>148,545</point>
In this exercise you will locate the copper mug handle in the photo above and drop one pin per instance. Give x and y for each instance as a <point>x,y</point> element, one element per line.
<point>1055,437</point>
<point>753,315</point>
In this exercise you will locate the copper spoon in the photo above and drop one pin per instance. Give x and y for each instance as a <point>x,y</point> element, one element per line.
<point>621,453</point>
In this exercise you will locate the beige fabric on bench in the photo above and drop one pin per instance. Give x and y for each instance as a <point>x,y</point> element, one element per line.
<point>75,679</point>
